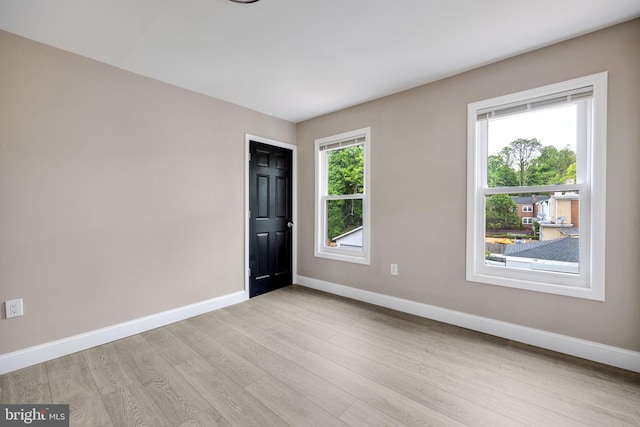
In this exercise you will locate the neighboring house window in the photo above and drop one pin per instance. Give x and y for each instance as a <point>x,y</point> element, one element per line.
<point>342,224</point>
<point>548,144</point>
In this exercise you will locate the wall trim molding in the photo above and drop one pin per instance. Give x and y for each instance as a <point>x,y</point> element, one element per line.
<point>602,353</point>
<point>41,353</point>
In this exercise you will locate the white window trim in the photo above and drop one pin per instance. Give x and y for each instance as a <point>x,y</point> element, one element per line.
<point>591,183</point>
<point>527,220</point>
<point>320,248</point>
<point>527,208</point>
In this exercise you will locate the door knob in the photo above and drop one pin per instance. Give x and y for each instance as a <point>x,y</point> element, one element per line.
<point>290,224</point>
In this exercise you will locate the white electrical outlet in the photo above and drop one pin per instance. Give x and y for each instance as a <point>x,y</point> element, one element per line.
<point>394,269</point>
<point>13,308</point>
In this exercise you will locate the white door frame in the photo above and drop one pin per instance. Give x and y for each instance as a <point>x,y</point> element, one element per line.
<point>294,205</point>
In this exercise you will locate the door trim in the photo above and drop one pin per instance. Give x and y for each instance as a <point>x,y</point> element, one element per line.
<point>294,204</point>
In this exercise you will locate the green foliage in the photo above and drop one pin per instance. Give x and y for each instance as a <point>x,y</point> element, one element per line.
<point>521,154</point>
<point>525,162</point>
<point>345,176</point>
<point>536,228</point>
<point>552,165</point>
<point>501,212</point>
<point>346,171</point>
<point>500,174</point>
<point>570,173</point>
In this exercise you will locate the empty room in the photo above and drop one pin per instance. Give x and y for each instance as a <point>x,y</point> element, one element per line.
<point>319,213</point>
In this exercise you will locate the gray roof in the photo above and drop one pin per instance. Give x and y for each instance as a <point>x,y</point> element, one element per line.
<point>347,233</point>
<point>523,200</point>
<point>528,200</point>
<point>570,231</point>
<point>565,249</point>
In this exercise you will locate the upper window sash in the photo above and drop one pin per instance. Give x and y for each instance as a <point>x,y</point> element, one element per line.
<point>584,126</point>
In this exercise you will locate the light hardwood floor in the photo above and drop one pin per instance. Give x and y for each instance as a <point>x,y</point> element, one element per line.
<point>304,358</point>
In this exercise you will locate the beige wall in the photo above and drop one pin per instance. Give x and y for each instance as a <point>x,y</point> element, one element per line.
<point>120,196</point>
<point>419,191</point>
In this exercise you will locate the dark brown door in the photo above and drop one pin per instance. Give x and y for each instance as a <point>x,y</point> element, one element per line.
<point>270,221</point>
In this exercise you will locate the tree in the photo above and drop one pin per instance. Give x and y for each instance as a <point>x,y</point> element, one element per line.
<point>524,162</point>
<point>345,176</point>
<point>501,212</point>
<point>521,154</point>
<point>499,174</point>
<point>570,173</point>
<point>551,166</point>
<point>567,157</point>
<point>346,170</point>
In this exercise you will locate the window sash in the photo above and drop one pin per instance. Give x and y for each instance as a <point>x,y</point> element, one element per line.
<point>584,123</point>
<point>324,155</point>
<point>338,250</point>
<point>579,280</point>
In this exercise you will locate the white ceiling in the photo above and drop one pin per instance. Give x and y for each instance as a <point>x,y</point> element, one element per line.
<point>298,59</point>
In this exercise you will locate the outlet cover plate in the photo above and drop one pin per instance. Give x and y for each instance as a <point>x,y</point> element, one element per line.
<point>393,270</point>
<point>13,308</point>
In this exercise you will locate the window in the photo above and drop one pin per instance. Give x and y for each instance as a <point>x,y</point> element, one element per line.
<point>342,218</point>
<point>545,148</point>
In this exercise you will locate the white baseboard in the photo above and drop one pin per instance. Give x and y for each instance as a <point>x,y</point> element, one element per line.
<point>609,355</point>
<point>41,353</point>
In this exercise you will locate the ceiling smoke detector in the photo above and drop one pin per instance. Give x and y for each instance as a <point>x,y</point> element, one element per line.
<point>244,1</point>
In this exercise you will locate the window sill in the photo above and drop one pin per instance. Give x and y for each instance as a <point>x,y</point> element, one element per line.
<point>556,289</point>
<point>344,257</point>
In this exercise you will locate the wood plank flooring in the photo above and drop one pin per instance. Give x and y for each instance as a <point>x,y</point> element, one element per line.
<point>298,357</point>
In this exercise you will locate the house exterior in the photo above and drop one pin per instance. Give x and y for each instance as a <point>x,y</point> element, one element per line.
<point>558,216</point>
<point>528,208</point>
<point>350,240</point>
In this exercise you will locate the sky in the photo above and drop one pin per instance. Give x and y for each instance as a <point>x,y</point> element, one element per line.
<point>552,126</point>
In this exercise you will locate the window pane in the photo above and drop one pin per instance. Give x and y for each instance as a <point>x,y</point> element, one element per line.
<point>546,239</point>
<point>533,148</point>
<point>345,171</point>
<point>344,224</point>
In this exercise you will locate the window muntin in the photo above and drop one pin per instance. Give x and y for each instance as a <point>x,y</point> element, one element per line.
<point>342,197</point>
<point>556,154</point>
